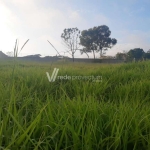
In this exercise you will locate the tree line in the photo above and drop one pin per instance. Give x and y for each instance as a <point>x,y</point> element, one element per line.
<point>93,40</point>
<point>134,54</point>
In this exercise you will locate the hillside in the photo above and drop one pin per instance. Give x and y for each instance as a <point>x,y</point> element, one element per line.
<point>2,55</point>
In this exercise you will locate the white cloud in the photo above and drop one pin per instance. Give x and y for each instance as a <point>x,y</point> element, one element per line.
<point>37,24</point>
<point>131,40</point>
<point>30,19</point>
<point>100,19</point>
<point>75,16</point>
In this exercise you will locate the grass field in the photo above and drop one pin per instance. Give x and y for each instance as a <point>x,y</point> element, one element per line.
<point>36,114</point>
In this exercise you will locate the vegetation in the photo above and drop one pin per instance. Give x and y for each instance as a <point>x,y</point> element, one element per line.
<point>97,39</point>
<point>134,54</point>
<point>70,38</point>
<point>121,56</point>
<point>74,114</point>
<point>147,55</point>
<point>93,40</point>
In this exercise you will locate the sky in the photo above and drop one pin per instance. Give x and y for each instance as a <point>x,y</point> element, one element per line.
<point>42,20</point>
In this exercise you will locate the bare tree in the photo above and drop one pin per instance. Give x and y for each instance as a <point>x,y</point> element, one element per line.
<point>70,38</point>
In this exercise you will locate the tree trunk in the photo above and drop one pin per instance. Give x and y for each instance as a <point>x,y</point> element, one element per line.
<point>100,53</point>
<point>87,55</point>
<point>73,57</point>
<point>93,54</point>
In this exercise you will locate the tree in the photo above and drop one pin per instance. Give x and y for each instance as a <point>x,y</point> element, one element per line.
<point>97,39</point>
<point>82,51</point>
<point>136,53</point>
<point>148,51</point>
<point>70,38</point>
<point>147,55</point>
<point>121,56</point>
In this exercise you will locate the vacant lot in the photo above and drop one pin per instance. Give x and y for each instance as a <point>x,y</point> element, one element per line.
<point>74,114</point>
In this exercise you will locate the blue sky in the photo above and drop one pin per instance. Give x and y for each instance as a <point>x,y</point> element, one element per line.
<point>42,20</point>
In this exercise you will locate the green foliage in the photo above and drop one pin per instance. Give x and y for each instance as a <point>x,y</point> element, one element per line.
<point>136,53</point>
<point>121,56</point>
<point>75,114</point>
<point>147,55</point>
<point>97,39</point>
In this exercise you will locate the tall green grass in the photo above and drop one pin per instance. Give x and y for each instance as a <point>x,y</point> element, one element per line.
<point>113,114</point>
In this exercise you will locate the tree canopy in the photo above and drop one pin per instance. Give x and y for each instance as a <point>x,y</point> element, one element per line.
<point>121,56</point>
<point>147,55</point>
<point>136,53</point>
<point>97,39</point>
